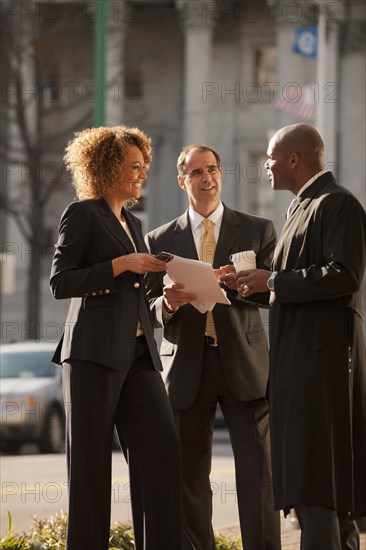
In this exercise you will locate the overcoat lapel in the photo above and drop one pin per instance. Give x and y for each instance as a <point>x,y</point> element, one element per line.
<point>293,223</point>
<point>315,189</point>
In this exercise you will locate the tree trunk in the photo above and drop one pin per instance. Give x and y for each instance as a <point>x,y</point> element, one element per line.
<point>33,328</point>
<point>36,222</point>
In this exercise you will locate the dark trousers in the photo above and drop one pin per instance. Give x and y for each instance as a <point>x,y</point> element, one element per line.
<point>325,529</point>
<point>249,434</point>
<point>96,399</point>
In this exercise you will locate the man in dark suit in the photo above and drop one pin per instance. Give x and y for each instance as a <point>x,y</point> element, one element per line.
<point>223,360</point>
<point>317,384</point>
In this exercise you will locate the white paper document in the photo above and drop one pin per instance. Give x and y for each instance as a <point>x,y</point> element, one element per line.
<point>198,278</point>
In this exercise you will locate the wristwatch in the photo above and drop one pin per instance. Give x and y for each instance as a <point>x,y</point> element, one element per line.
<point>270,282</point>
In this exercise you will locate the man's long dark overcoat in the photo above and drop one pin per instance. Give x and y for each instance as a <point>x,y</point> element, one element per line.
<point>317,385</point>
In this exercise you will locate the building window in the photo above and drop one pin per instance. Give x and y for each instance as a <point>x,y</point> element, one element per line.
<point>265,64</point>
<point>133,84</point>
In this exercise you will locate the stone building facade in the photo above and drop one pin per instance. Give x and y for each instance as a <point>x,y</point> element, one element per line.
<point>192,71</point>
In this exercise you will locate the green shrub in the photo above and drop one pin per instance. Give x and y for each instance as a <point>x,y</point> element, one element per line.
<point>12,540</point>
<point>225,543</point>
<point>50,534</point>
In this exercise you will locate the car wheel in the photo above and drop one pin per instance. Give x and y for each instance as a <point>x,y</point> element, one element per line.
<point>11,447</point>
<point>53,433</point>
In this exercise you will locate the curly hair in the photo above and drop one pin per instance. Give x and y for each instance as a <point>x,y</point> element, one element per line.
<point>95,156</point>
<point>194,147</point>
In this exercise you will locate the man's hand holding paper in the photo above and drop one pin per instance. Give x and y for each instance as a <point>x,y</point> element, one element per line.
<point>192,278</point>
<point>175,296</point>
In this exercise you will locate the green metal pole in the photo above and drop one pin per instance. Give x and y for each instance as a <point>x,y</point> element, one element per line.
<point>100,72</point>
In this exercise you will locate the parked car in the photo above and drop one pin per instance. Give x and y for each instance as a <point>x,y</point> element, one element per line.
<point>31,403</point>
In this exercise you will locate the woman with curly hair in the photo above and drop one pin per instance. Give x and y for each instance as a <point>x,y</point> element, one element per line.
<point>110,362</point>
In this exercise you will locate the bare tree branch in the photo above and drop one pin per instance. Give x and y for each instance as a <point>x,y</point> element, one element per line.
<point>31,140</point>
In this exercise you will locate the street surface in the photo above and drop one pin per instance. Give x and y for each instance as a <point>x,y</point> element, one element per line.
<point>35,485</point>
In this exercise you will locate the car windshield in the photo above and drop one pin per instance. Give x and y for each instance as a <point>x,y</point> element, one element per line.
<point>27,365</point>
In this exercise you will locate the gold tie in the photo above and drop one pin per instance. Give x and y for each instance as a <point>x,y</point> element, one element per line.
<point>207,252</point>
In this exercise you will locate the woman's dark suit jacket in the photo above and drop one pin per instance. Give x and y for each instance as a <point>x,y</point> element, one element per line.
<point>104,311</point>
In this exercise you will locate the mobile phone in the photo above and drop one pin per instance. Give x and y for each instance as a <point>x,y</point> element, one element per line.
<point>164,257</point>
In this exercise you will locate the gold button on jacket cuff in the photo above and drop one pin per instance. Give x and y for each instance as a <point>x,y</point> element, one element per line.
<point>136,285</point>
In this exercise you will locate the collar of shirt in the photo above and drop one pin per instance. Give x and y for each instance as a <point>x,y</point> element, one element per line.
<point>198,228</point>
<point>311,180</point>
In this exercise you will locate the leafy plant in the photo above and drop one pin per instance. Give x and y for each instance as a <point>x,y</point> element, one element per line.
<point>13,540</point>
<point>121,537</point>
<point>225,543</point>
<point>50,534</point>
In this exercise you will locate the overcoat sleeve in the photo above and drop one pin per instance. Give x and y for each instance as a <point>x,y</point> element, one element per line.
<point>338,235</point>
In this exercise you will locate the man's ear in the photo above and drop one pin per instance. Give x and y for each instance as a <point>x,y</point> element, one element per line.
<point>294,159</point>
<point>182,182</point>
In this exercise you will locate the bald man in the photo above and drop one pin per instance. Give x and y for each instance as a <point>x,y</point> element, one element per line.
<point>317,382</point>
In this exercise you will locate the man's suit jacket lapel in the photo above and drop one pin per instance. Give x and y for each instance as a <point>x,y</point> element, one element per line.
<point>183,238</point>
<point>229,232</point>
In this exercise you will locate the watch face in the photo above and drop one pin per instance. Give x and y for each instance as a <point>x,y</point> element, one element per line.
<point>270,282</point>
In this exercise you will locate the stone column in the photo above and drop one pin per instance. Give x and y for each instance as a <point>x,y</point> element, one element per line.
<point>115,39</point>
<point>328,80</point>
<point>198,22</point>
<point>293,70</point>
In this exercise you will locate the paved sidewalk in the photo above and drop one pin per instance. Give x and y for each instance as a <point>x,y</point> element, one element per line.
<point>290,535</point>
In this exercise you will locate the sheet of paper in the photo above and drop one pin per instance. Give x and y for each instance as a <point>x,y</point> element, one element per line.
<point>197,277</point>
<point>201,306</point>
